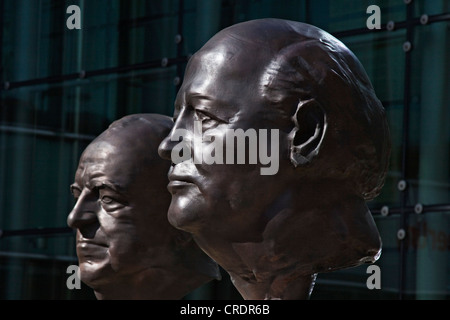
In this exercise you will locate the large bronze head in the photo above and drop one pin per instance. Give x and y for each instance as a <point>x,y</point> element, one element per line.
<point>126,247</point>
<point>328,139</point>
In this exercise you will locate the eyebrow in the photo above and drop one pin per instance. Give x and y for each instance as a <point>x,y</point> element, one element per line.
<point>199,96</point>
<point>190,97</point>
<point>74,185</point>
<point>108,185</point>
<point>100,185</point>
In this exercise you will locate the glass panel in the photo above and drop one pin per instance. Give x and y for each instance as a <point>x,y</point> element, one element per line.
<point>382,56</point>
<point>88,106</point>
<point>430,7</point>
<point>351,283</point>
<point>129,32</point>
<point>429,136</point>
<point>335,16</point>
<point>36,268</point>
<point>125,33</point>
<point>34,180</point>
<point>36,42</point>
<point>201,20</point>
<point>428,247</point>
<point>38,141</point>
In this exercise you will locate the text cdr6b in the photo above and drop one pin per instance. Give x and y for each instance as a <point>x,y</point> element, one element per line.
<point>246,309</point>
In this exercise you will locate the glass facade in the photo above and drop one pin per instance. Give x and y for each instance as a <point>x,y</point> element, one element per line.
<point>61,87</point>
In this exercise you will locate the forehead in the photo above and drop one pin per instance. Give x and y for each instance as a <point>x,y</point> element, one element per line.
<point>222,67</point>
<point>103,161</point>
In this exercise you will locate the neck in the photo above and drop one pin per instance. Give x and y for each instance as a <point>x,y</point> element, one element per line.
<point>151,284</point>
<point>298,242</point>
<point>283,287</point>
<point>189,269</point>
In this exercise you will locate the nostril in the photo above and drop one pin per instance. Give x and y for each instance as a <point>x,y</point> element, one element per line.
<point>78,218</point>
<point>89,231</point>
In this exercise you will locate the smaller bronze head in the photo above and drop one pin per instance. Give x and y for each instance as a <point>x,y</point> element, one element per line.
<point>125,245</point>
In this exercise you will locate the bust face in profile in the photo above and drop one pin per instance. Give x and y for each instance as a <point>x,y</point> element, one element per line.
<point>126,247</point>
<point>325,128</point>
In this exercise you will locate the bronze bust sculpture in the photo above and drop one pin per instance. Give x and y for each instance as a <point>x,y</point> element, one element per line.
<point>274,233</point>
<point>125,245</point>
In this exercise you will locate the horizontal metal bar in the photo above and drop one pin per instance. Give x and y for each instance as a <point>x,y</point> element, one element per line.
<point>410,209</point>
<point>37,256</point>
<point>6,86</point>
<point>386,288</point>
<point>46,133</point>
<point>157,63</point>
<point>398,25</point>
<point>36,232</point>
<point>67,230</point>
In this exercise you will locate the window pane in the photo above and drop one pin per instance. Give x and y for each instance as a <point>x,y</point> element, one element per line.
<point>382,56</point>
<point>429,154</point>
<point>429,255</point>
<point>335,16</point>
<point>354,280</point>
<point>430,7</point>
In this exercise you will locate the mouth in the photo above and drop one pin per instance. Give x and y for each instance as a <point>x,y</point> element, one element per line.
<point>89,243</point>
<point>178,182</point>
<point>175,185</point>
<point>91,250</point>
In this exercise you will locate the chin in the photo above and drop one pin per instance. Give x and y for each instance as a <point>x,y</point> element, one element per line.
<point>183,215</point>
<point>95,274</point>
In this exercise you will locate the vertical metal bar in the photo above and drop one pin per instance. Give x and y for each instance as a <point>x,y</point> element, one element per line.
<point>1,40</point>
<point>405,144</point>
<point>180,44</point>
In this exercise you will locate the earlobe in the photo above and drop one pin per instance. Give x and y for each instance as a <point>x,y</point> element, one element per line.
<point>308,133</point>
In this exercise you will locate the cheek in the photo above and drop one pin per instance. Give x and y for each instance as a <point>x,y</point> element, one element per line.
<point>120,230</point>
<point>187,209</point>
<point>247,192</point>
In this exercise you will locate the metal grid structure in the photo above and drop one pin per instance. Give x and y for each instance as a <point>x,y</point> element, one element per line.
<point>410,24</point>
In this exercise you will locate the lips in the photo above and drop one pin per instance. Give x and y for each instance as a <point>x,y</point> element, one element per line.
<point>181,176</point>
<point>90,252</point>
<point>89,247</point>
<point>178,182</point>
<point>88,243</point>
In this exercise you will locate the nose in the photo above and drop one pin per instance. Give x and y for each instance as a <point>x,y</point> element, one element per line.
<point>180,132</point>
<point>165,148</point>
<point>84,212</point>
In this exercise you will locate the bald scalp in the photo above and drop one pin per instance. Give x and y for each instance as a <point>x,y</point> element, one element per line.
<point>139,132</point>
<point>307,63</point>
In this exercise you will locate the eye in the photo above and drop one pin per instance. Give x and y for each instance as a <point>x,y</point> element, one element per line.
<point>76,192</point>
<point>208,121</point>
<point>111,201</point>
<point>175,115</point>
<point>200,115</point>
<point>177,111</point>
<point>107,200</point>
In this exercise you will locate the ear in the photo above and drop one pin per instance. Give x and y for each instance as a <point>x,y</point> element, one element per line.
<point>307,135</point>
